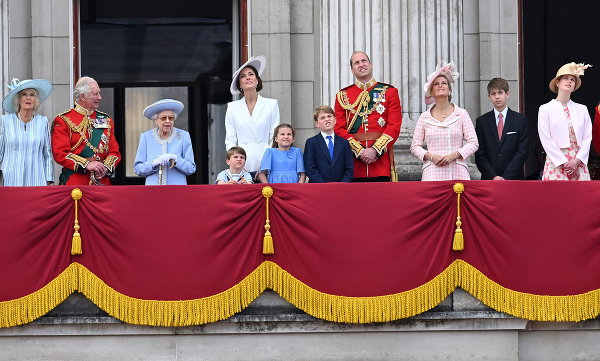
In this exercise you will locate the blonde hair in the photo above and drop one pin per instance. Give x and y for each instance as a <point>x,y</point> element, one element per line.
<point>17,105</point>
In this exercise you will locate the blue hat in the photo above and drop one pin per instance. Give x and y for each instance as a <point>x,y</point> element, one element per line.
<point>43,87</point>
<point>259,62</point>
<point>161,105</point>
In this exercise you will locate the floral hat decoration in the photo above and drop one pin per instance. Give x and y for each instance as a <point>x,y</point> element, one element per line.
<point>42,86</point>
<point>442,68</point>
<point>569,69</point>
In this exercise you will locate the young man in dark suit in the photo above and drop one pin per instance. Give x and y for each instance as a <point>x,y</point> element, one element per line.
<point>327,157</point>
<point>503,136</point>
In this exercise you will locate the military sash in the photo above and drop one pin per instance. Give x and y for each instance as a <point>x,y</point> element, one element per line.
<point>87,152</point>
<point>365,104</point>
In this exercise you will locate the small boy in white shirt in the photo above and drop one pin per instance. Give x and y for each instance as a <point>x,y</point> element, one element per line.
<point>236,160</point>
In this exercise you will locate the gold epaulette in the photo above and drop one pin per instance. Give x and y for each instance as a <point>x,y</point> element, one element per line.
<point>385,84</point>
<point>346,88</point>
<point>357,148</point>
<point>103,113</point>
<point>381,144</point>
<point>63,113</point>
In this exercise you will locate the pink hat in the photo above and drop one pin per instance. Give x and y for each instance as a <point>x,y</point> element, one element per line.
<point>447,70</point>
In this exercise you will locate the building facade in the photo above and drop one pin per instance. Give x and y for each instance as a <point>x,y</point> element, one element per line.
<point>308,44</point>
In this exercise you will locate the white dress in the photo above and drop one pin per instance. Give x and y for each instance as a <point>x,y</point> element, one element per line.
<point>253,132</point>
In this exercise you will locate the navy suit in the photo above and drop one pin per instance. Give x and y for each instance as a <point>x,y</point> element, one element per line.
<point>504,157</point>
<point>320,168</point>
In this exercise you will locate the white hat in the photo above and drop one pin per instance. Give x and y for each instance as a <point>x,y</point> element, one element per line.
<point>166,104</point>
<point>442,67</point>
<point>258,61</point>
<point>43,87</point>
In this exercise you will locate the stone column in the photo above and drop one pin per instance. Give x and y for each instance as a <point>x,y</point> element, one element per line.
<point>405,40</point>
<point>284,32</point>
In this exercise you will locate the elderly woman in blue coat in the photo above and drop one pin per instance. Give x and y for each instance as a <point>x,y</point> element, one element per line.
<point>165,154</point>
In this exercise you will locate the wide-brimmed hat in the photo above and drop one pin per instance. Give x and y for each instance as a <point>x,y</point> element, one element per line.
<point>442,68</point>
<point>257,61</point>
<point>569,69</point>
<point>43,87</point>
<point>166,104</point>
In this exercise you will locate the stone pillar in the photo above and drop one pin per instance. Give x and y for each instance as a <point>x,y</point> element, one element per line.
<point>284,32</point>
<point>405,40</point>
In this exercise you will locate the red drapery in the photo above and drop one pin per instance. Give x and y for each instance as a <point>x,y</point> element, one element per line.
<point>181,255</point>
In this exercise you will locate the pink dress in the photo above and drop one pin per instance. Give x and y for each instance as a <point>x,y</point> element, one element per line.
<point>551,172</point>
<point>444,138</point>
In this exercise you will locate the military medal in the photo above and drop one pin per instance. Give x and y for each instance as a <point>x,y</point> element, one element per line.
<point>100,122</point>
<point>380,109</point>
<point>381,122</point>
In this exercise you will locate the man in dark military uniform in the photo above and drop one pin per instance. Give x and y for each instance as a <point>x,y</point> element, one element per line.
<point>369,115</point>
<point>83,139</point>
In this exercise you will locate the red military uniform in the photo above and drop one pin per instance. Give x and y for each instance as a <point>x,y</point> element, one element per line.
<point>596,130</point>
<point>80,136</point>
<point>379,104</point>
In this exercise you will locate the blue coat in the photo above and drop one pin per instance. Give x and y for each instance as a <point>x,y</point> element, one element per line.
<point>320,168</point>
<point>149,149</point>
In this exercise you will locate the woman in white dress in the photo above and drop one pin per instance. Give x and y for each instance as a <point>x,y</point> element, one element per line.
<point>25,150</point>
<point>250,121</point>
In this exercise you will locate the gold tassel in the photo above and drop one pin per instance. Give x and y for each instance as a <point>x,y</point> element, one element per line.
<point>76,244</point>
<point>267,192</point>
<point>459,242</point>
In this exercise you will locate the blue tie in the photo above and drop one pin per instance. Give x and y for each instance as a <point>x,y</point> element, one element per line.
<point>330,145</point>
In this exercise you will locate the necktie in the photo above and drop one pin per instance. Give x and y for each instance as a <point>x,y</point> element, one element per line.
<point>500,126</point>
<point>330,146</point>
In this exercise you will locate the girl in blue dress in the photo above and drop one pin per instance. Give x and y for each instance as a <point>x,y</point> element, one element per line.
<point>283,163</point>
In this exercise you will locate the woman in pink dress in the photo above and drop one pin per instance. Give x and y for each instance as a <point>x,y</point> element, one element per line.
<point>565,128</point>
<point>443,127</point>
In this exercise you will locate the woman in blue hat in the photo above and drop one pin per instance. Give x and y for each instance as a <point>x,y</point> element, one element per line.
<point>25,150</point>
<point>165,155</point>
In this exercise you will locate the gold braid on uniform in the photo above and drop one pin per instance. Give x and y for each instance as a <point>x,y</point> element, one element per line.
<point>109,162</point>
<point>81,129</point>
<point>356,146</point>
<point>361,102</point>
<point>381,144</point>
<point>79,160</point>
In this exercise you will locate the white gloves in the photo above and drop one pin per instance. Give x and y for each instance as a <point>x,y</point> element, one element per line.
<point>164,159</point>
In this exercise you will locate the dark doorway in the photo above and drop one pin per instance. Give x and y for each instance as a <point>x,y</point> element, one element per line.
<point>557,32</point>
<point>141,51</point>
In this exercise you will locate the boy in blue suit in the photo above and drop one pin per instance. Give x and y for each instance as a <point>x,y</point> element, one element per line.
<point>503,137</point>
<point>327,157</point>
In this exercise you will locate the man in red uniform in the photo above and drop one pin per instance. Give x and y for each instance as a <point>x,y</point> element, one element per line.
<point>596,130</point>
<point>83,139</point>
<point>369,115</point>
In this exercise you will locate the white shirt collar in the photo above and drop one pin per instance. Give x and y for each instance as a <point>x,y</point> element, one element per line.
<point>496,112</point>
<point>325,137</point>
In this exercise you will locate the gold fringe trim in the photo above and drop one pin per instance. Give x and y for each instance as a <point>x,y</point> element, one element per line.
<point>173,313</point>
<point>363,309</point>
<point>318,304</point>
<point>28,308</point>
<point>525,305</point>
